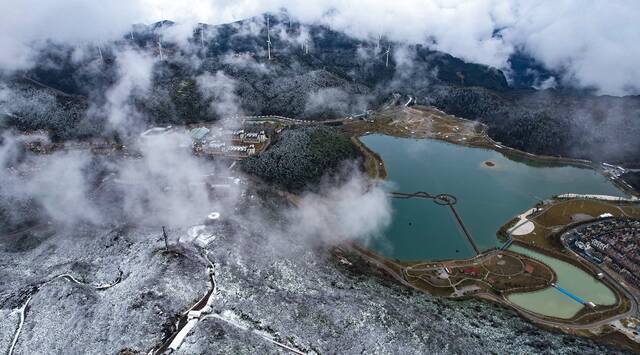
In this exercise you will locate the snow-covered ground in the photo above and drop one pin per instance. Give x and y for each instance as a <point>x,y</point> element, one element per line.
<point>279,290</point>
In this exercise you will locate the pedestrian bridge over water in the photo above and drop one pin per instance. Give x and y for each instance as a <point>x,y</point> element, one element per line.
<point>443,200</point>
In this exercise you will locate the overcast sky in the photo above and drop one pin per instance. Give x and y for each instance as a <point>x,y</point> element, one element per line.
<point>594,42</point>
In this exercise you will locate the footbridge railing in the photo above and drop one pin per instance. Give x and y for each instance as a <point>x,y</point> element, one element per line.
<point>443,200</point>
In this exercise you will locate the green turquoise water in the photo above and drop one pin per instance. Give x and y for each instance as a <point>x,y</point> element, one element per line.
<point>551,302</point>
<point>487,197</point>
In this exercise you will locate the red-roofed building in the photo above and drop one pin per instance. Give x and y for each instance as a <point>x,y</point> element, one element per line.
<point>528,268</point>
<point>470,271</point>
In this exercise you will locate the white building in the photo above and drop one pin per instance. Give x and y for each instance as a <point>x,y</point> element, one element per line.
<point>254,137</point>
<point>247,149</point>
<point>236,149</point>
<point>600,245</point>
<point>155,131</point>
<point>215,145</point>
<point>239,133</point>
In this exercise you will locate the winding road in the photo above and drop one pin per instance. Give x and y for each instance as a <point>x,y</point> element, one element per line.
<point>23,309</point>
<point>192,316</point>
<point>202,310</point>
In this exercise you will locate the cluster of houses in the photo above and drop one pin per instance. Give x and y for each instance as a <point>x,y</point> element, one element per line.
<point>612,170</point>
<point>233,143</point>
<point>614,243</point>
<point>224,142</point>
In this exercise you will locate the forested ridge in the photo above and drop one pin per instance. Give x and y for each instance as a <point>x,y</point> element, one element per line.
<point>339,76</point>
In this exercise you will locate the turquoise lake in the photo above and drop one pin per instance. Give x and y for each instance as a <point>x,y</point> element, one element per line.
<point>487,197</point>
<point>551,302</point>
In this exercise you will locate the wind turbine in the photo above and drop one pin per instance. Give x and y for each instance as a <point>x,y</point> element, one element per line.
<point>202,35</point>
<point>100,51</point>
<point>268,40</point>
<point>160,41</point>
<point>387,53</point>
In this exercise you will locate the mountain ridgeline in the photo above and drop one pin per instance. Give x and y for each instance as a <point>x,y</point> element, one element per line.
<point>317,73</point>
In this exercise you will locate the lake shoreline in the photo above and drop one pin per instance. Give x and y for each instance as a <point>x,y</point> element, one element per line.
<point>488,144</point>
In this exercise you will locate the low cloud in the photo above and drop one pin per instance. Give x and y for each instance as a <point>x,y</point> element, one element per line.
<point>220,89</point>
<point>591,43</point>
<point>334,102</point>
<point>27,24</point>
<point>319,100</point>
<point>353,210</point>
<point>245,61</point>
<point>134,77</point>
<point>56,184</point>
<point>163,183</point>
<point>167,185</point>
